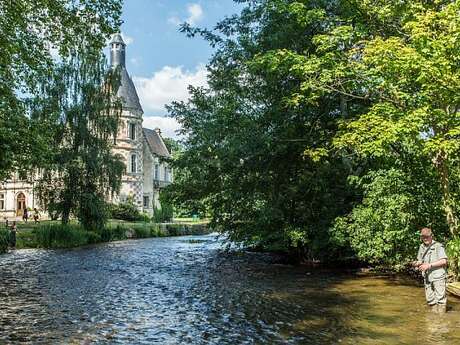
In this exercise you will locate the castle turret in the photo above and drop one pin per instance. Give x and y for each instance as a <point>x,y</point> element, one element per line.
<point>130,136</point>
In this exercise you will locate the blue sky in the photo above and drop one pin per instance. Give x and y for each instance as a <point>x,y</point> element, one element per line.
<point>160,59</point>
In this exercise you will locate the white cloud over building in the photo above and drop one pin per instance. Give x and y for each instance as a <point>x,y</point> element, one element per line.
<point>195,14</point>
<point>167,85</point>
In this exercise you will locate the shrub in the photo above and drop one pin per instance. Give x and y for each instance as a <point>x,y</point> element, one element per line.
<point>142,231</point>
<point>93,237</point>
<point>145,217</point>
<point>109,234</point>
<point>126,211</point>
<point>4,240</point>
<point>163,214</point>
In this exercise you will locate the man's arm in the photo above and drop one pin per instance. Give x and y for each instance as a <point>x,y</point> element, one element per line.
<point>436,264</point>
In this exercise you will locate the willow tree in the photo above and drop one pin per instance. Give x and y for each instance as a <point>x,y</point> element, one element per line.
<point>79,100</point>
<point>32,34</point>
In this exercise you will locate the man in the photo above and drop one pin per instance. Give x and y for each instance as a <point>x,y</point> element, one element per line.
<point>432,262</point>
<point>36,215</point>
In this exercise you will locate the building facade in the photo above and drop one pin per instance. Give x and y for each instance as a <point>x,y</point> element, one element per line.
<point>143,151</point>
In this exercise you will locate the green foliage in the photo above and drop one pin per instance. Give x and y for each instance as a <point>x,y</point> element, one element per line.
<point>453,253</point>
<point>127,211</point>
<point>31,32</point>
<point>82,170</point>
<point>26,239</point>
<point>61,236</point>
<point>165,213</point>
<point>4,240</point>
<point>257,141</point>
<point>322,94</point>
<point>142,232</point>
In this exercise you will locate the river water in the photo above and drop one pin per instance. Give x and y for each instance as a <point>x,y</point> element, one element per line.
<point>186,290</point>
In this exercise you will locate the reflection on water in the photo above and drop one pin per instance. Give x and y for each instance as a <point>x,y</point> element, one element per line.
<point>186,291</point>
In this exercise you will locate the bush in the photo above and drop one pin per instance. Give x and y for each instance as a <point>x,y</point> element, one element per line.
<point>142,231</point>
<point>383,229</point>
<point>163,214</point>
<point>113,234</point>
<point>166,212</point>
<point>126,211</point>
<point>4,240</point>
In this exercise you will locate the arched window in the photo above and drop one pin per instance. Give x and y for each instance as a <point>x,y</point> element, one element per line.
<point>133,163</point>
<point>2,201</point>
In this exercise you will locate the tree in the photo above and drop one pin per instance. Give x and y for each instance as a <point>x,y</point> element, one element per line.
<point>414,79</point>
<point>31,32</point>
<point>254,148</point>
<point>305,96</point>
<point>83,171</point>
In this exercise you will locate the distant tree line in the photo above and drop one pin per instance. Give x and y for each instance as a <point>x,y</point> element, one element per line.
<point>328,129</point>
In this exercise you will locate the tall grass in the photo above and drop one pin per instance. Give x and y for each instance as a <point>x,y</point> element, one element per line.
<point>53,235</point>
<point>63,236</point>
<point>4,240</point>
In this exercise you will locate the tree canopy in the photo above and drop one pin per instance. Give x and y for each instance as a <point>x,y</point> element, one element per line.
<point>328,128</point>
<point>34,36</point>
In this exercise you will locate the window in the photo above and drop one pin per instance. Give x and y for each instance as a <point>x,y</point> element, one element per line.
<point>146,201</point>
<point>167,174</point>
<point>132,131</point>
<point>133,163</point>
<point>157,172</point>
<point>2,201</point>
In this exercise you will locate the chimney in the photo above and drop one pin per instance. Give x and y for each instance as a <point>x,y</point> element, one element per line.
<point>158,130</point>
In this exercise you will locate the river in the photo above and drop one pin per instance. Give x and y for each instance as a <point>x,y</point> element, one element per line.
<point>186,290</point>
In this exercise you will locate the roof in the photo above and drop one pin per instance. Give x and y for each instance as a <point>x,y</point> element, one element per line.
<point>156,143</point>
<point>127,91</point>
<point>117,39</point>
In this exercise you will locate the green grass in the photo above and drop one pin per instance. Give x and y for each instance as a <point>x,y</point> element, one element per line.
<point>54,235</point>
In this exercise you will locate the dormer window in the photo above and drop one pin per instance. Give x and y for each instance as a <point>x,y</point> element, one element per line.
<point>132,131</point>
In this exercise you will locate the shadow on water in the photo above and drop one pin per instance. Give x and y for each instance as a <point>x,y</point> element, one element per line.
<point>187,291</point>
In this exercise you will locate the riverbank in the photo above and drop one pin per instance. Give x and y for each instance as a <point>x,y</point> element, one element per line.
<point>53,235</point>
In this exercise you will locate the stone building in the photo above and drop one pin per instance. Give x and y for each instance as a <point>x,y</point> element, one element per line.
<point>143,151</point>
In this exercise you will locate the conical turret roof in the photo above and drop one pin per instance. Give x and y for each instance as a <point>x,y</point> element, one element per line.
<point>127,92</point>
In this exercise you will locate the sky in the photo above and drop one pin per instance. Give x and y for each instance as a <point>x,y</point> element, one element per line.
<point>161,60</point>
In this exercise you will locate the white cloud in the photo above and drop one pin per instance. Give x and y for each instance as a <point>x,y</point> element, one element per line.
<point>195,14</point>
<point>167,125</point>
<point>167,85</point>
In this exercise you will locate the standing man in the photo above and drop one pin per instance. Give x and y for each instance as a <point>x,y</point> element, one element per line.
<point>432,262</point>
